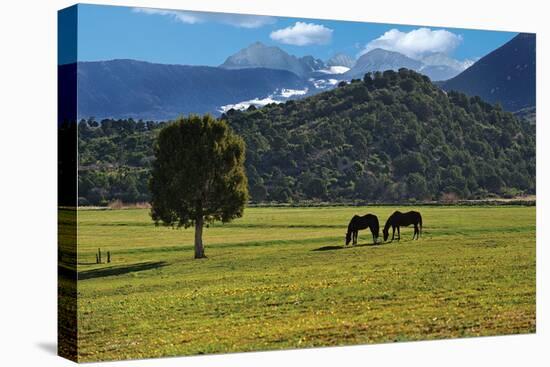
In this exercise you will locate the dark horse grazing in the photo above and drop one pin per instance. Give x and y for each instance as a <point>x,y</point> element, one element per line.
<point>398,219</point>
<point>357,223</point>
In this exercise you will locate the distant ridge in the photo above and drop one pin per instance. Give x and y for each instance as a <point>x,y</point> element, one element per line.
<point>507,75</point>
<point>144,90</point>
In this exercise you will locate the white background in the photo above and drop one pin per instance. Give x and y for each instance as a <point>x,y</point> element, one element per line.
<point>28,182</point>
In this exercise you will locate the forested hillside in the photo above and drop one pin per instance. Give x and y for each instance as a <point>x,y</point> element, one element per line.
<point>391,137</point>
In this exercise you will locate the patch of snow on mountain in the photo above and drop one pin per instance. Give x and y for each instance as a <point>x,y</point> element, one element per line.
<point>323,83</point>
<point>257,102</point>
<point>287,93</point>
<point>335,70</point>
<point>276,97</point>
<point>467,63</point>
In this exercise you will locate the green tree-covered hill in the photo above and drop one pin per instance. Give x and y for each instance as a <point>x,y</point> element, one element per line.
<point>391,137</point>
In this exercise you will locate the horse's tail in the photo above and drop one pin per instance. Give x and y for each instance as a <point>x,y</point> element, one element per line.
<point>375,227</point>
<point>420,224</point>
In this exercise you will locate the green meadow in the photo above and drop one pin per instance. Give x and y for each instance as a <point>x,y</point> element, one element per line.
<point>281,278</point>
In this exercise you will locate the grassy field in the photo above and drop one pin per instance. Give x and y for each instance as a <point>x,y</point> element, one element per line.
<point>280,278</point>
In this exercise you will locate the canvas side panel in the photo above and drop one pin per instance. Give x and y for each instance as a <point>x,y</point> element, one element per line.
<point>67,332</point>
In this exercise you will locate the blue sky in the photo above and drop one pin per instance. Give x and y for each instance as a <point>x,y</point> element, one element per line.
<point>179,37</point>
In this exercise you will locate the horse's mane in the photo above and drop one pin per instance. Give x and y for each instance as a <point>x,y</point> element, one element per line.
<point>388,222</point>
<point>351,221</point>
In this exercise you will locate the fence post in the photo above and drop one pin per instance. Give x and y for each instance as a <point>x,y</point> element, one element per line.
<point>108,256</point>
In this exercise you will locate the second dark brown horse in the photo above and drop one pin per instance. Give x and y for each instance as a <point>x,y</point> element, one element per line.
<point>398,219</point>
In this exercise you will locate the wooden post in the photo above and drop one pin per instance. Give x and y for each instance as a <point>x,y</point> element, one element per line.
<point>108,256</point>
<point>96,259</point>
<point>99,254</point>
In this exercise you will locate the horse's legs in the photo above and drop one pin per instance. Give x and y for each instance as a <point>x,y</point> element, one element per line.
<point>392,233</point>
<point>398,233</point>
<point>355,234</point>
<point>415,234</point>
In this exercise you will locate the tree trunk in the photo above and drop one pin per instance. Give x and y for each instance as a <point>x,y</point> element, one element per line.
<point>199,248</point>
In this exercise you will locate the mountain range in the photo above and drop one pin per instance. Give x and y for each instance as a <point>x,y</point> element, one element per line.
<point>259,75</point>
<point>436,66</point>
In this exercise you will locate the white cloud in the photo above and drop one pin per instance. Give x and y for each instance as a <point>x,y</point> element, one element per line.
<point>416,43</point>
<point>195,17</point>
<point>302,34</point>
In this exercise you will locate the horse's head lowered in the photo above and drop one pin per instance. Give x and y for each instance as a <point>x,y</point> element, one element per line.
<point>348,237</point>
<point>386,232</point>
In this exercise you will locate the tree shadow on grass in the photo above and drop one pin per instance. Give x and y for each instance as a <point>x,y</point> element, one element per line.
<point>331,248</point>
<point>120,270</point>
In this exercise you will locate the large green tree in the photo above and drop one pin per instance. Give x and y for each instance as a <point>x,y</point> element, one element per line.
<point>198,175</point>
